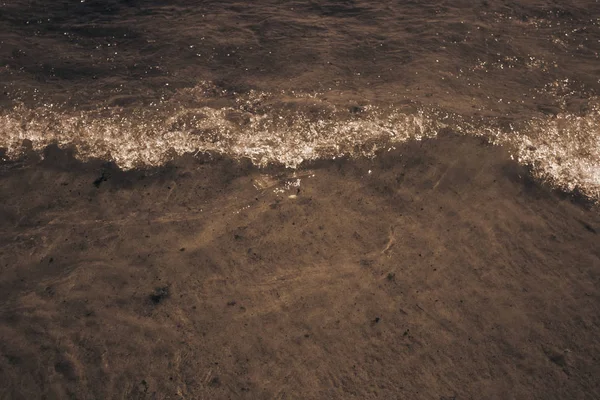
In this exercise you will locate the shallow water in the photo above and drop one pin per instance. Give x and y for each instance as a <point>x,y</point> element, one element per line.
<point>138,83</point>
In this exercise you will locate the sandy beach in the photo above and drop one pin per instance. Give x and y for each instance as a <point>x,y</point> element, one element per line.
<point>437,270</point>
<point>325,199</point>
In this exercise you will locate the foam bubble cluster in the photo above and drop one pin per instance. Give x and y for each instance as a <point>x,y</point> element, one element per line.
<point>563,149</point>
<point>147,138</point>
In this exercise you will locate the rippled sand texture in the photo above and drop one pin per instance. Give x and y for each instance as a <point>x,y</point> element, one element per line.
<point>438,270</point>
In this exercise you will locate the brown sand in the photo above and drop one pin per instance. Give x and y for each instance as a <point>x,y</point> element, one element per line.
<point>445,273</point>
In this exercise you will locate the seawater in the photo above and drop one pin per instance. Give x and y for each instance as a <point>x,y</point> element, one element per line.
<point>140,83</point>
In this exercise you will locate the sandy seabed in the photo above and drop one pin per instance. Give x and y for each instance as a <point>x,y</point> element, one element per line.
<point>438,270</point>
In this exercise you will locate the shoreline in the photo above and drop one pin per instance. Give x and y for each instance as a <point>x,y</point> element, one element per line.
<point>63,158</point>
<point>440,269</point>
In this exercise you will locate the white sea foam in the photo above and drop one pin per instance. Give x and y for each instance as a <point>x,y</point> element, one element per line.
<point>562,149</point>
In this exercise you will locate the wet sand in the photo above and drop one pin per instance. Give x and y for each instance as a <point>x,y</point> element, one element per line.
<point>438,270</point>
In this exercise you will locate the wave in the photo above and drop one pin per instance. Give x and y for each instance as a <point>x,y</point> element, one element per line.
<point>291,128</point>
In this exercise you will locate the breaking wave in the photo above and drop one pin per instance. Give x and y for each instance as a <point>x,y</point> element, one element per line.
<point>290,128</point>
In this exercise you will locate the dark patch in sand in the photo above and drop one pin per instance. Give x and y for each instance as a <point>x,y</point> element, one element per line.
<point>100,179</point>
<point>160,294</point>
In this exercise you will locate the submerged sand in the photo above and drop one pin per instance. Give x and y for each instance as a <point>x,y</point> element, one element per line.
<point>437,270</point>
